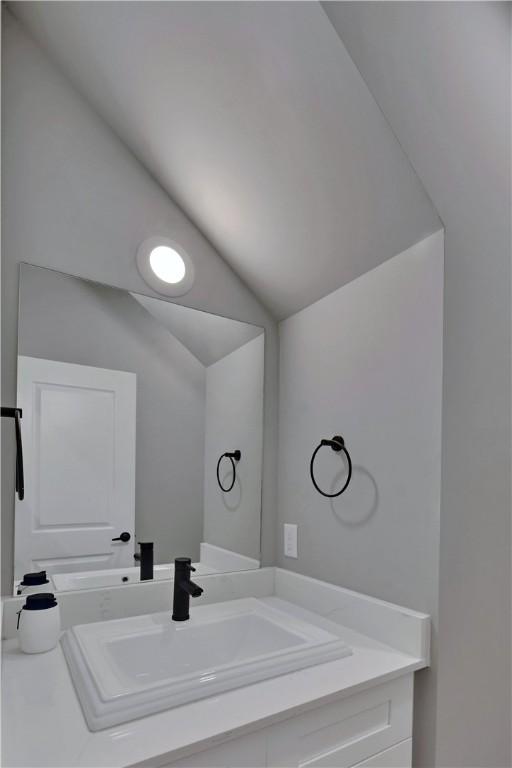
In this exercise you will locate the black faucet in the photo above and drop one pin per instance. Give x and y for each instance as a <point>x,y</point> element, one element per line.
<point>183,589</point>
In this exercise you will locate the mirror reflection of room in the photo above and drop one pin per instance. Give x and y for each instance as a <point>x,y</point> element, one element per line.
<point>132,407</point>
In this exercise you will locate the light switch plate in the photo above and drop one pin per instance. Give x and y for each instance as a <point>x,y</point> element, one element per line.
<point>290,540</point>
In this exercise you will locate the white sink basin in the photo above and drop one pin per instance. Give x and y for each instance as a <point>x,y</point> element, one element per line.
<point>112,577</point>
<point>128,668</point>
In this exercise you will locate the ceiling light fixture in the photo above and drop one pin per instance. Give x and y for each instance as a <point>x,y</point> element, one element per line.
<point>165,266</point>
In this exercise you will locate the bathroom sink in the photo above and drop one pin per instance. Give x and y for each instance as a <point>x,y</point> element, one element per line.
<point>127,668</point>
<point>112,577</point>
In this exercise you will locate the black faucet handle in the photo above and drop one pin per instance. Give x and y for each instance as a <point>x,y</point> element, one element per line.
<point>191,567</point>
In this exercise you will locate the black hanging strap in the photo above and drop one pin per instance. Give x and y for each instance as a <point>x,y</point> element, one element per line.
<point>16,414</point>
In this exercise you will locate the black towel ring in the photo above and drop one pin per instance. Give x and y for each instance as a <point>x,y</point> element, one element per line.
<point>232,456</point>
<point>337,444</point>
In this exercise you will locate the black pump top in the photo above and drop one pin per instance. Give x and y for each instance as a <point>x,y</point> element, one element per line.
<point>40,601</point>
<point>34,579</point>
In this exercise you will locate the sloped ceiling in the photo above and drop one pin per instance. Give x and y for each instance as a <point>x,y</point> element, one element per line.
<point>208,337</point>
<point>254,119</point>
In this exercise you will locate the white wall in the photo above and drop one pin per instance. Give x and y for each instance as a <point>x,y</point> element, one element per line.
<point>441,73</point>
<point>234,419</point>
<point>366,362</point>
<point>75,199</point>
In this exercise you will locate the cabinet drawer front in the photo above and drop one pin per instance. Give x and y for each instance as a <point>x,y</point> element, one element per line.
<point>244,752</point>
<point>346,732</point>
<point>399,756</point>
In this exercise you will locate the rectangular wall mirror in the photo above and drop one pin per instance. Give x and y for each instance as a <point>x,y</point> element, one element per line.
<point>129,404</point>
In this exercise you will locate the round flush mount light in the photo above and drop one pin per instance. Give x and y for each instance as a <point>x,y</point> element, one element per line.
<point>165,266</point>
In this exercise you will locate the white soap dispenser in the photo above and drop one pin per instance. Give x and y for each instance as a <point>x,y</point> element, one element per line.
<point>32,583</point>
<point>39,623</point>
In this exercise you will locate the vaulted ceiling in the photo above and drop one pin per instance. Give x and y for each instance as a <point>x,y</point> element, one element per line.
<point>255,120</point>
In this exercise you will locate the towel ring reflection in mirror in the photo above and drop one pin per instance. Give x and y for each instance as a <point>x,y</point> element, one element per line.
<point>232,456</point>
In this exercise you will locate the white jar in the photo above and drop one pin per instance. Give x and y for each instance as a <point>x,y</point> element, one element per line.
<point>39,623</point>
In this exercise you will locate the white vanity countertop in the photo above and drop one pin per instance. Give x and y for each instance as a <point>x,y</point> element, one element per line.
<point>43,723</point>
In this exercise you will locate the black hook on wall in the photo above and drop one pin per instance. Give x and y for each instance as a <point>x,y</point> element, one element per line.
<point>232,456</point>
<point>16,414</point>
<point>337,444</point>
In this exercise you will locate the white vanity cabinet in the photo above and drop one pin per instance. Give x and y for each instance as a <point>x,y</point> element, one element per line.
<point>352,711</point>
<point>370,728</point>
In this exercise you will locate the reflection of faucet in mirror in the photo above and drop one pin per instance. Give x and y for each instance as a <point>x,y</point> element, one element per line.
<point>183,589</point>
<point>145,558</point>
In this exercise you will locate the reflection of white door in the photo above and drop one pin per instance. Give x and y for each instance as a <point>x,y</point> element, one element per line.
<point>78,431</point>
